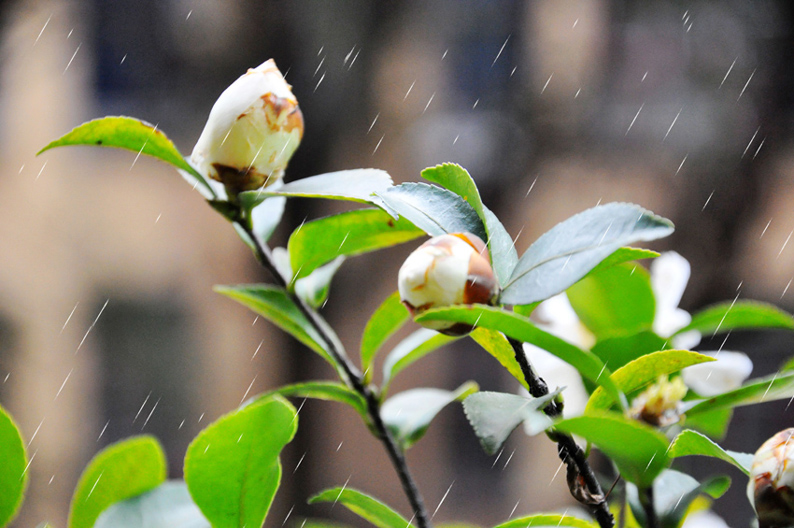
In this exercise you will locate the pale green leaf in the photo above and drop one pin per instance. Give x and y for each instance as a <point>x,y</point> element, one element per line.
<point>364,506</point>
<point>13,477</point>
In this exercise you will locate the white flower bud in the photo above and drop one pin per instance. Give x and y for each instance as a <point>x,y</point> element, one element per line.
<point>252,131</point>
<point>771,486</point>
<point>445,271</point>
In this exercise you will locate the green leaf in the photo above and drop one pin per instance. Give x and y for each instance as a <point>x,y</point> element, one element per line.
<point>314,288</point>
<point>494,415</point>
<point>643,371</point>
<point>739,315</point>
<point>131,134</point>
<point>526,309</point>
<point>351,233</point>
<point>617,300</point>
<point>275,304</point>
<point>546,520</point>
<point>13,477</point>
<point>322,390</point>
<point>455,178</point>
<point>412,348</point>
<point>619,351</point>
<point>776,387</point>
<point>364,506</point>
<point>568,251</point>
<point>357,185</point>
<point>713,424</point>
<point>624,254</point>
<point>513,325</point>
<point>496,344</point>
<point>434,210</point>
<point>689,443</point>
<point>167,506</point>
<point>232,467</point>
<point>387,319</point>
<point>120,471</point>
<point>409,413</point>
<point>638,450</point>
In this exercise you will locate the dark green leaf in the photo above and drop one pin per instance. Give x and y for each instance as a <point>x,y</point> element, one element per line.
<point>455,178</point>
<point>496,344</point>
<point>166,506</point>
<point>624,254</point>
<point>568,251</point>
<point>314,288</point>
<point>131,134</point>
<point>739,315</point>
<point>615,301</point>
<point>520,328</point>
<point>434,210</point>
<point>357,185</point>
<point>494,415</point>
<point>120,471</point>
<point>322,390</point>
<point>275,304</point>
<point>643,371</point>
<point>776,387</point>
<point>412,348</point>
<point>387,319</point>
<point>409,413</point>
<point>692,443</point>
<point>546,520</point>
<point>638,450</point>
<point>351,233</point>
<point>13,477</point>
<point>232,467</point>
<point>619,351</point>
<point>364,506</point>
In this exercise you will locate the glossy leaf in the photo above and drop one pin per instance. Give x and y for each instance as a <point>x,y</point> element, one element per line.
<point>455,178</point>
<point>232,467</point>
<point>618,300</point>
<point>546,520</point>
<point>434,210</point>
<point>352,233</point>
<point>568,251</point>
<point>739,315</point>
<point>131,134</point>
<point>314,288</point>
<point>13,477</point>
<point>494,415</point>
<point>274,304</point>
<point>390,316</point>
<point>689,443</point>
<point>619,351</point>
<point>776,387</point>
<point>357,185</point>
<point>496,344</point>
<point>166,506</point>
<point>713,424</point>
<point>638,450</point>
<point>118,472</point>
<point>364,506</point>
<point>624,254</point>
<point>409,350</point>
<point>409,413</point>
<point>322,390</point>
<point>643,371</point>
<point>520,328</point>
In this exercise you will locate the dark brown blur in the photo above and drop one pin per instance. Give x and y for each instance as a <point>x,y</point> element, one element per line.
<point>108,323</point>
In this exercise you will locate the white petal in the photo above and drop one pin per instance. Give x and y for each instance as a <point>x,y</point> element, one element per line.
<point>557,373</point>
<point>715,377</point>
<point>669,276</point>
<point>704,519</point>
<point>557,316</point>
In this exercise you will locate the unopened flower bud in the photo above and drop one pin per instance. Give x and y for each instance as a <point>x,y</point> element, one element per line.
<point>660,405</point>
<point>252,131</point>
<point>445,271</point>
<point>771,486</point>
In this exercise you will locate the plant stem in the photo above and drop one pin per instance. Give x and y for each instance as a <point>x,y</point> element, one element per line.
<point>646,499</point>
<point>582,481</point>
<point>354,379</point>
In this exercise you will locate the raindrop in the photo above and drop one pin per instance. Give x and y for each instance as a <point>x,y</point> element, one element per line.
<point>73,56</point>
<point>43,28</point>
<point>728,73</point>
<point>442,500</point>
<point>635,118</point>
<point>547,83</point>
<point>745,86</point>
<point>409,90</point>
<point>500,51</point>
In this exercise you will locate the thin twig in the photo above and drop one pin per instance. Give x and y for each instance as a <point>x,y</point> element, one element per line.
<point>582,481</point>
<point>354,380</point>
<point>646,499</point>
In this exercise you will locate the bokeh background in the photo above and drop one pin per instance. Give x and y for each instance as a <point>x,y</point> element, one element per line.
<point>108,323</point>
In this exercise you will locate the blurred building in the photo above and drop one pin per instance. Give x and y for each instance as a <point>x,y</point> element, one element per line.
<point>108,323</point>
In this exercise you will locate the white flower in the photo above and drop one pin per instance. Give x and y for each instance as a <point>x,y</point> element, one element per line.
<point>669,276</point>
<point>445,271</point>
<point>704,519</point>
<point>771,485</point>
<point>715,377</point>
<point>252,131</point>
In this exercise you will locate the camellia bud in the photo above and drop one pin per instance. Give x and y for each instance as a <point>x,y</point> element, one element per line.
<point>252,131</point>
<point>771,486</point>
<point>445,271</point>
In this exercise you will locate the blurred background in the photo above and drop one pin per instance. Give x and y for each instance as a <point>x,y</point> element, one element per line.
<point>108,323</point>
